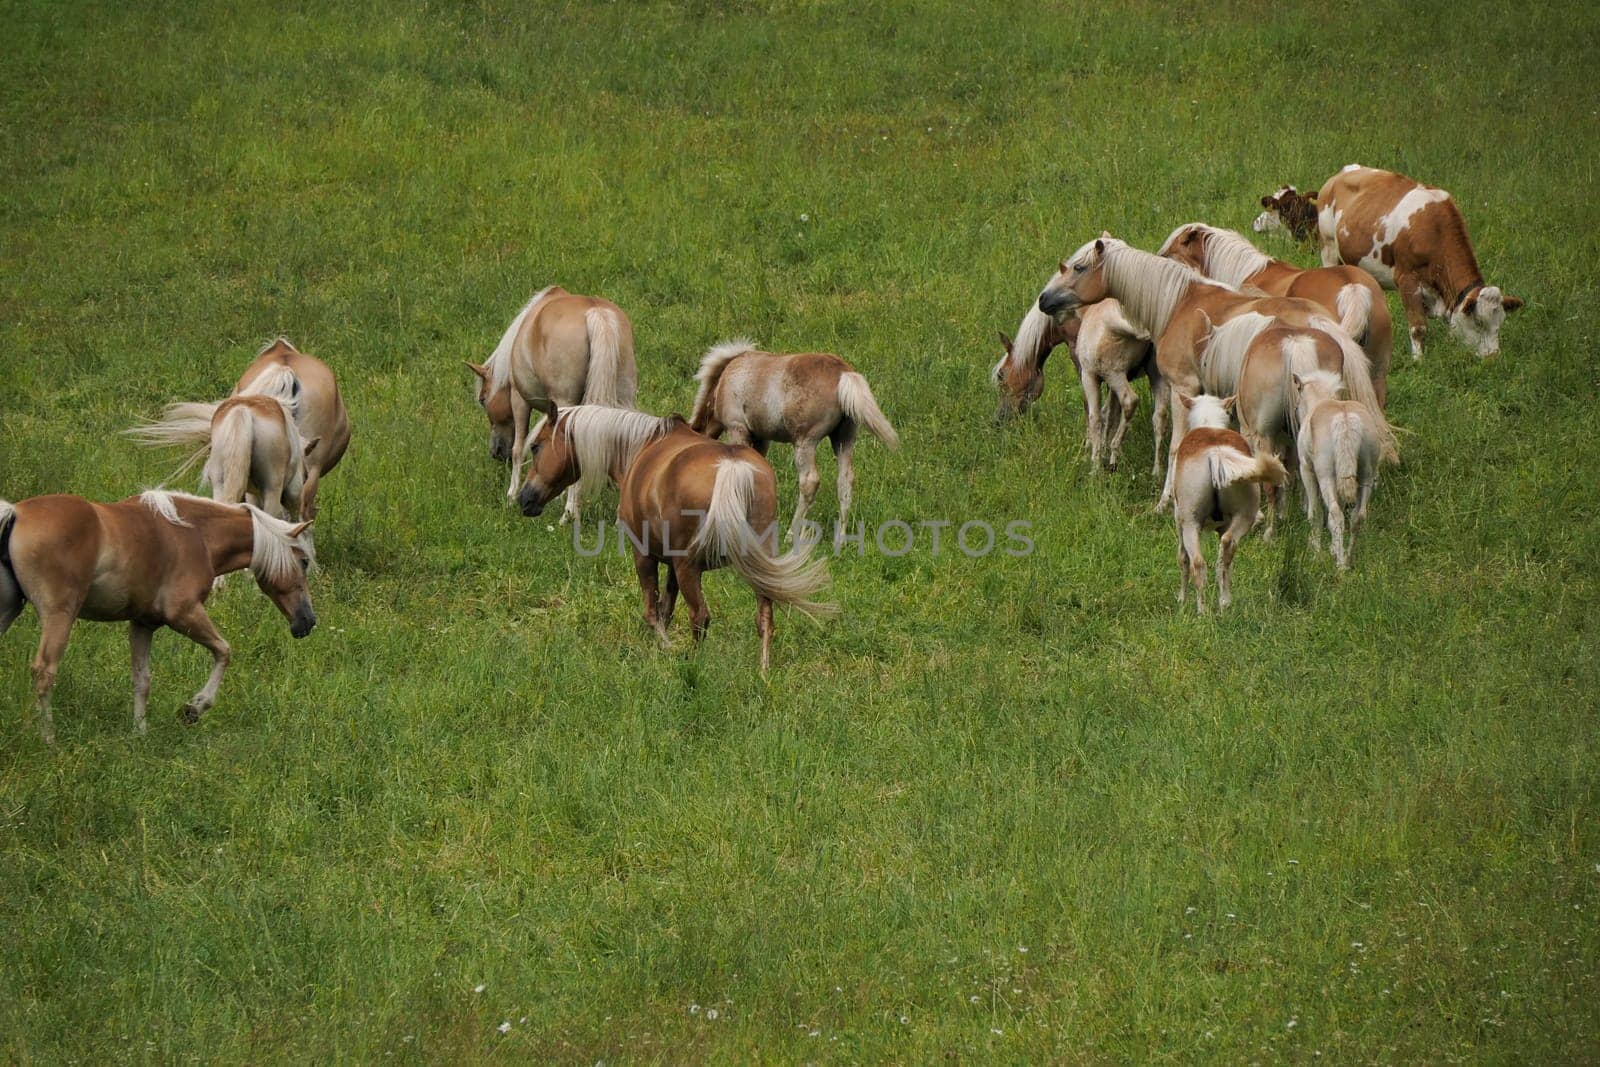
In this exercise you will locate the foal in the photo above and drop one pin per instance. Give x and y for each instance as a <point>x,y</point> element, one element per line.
<point>1108,351</point>
<point>149,560</point>
<point>1339,449</point>
<point>758,397</point>
<point>1216,487</point>
<point>687,502</point>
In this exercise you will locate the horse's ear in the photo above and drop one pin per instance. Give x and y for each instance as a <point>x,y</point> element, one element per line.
<point>1099,246</point>
<point>1005,342</point>
<point>1299,382</point>
<point>312,444</point>
<point>1229,401</point>
<point>480,369</point>
<point>1186,399</point>
<point>1511,303</point>
<point>1061,268</point>
<point>299,528</point>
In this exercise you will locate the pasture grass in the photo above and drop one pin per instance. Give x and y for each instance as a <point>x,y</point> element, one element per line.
<point>1013,809</point>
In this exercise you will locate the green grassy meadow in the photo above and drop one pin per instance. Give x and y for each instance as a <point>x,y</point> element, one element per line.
<point>1004,809</point>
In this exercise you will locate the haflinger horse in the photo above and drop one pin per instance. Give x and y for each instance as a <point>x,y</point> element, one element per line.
<point>758,397</point>
<point>1349,294</point>
<point>1339,450</point>
<point>1108,352</point>
<point>1258,358</point>
<point>150,560</point>
<point>1217,486</point>
<point>560,347</point>
<point>270,442</point>
<point>1180,308</point>
<point>688,503</point>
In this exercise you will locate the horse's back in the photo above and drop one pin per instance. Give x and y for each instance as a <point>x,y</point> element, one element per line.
<point>322,408</point>
<point>556,341</point>
<point>673,478</point>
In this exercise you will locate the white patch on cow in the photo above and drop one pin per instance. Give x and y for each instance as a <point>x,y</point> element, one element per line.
<point>1480,329</point>
<point>1267,222</point>
<point>1391,226</point>
<point>1433,302</point>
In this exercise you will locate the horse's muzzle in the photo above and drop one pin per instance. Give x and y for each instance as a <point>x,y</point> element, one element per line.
<point>500,451</point>
<point>1056,302</point>
<point>528,500</point>
<point>304,621</point>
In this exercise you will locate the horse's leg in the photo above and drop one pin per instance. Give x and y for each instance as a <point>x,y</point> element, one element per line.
<point>1257,444</point>
<point>649,572</point>
<point>197,626</point>
<point>569,513</point>
<point>55,626</point>
<point>1229,544</point>
<point>805,463</point>
<point>139,646</point>
<point>1159,399</point>
<point>1127,404</point>
<point>689,583</point>
<point>669,598</point>
<point>521,412</point>
<point>764,628</point>
<point>1190,532</point>
<point>1313,495</point>
<point>1091,412</point>
<point>1180,426</point>
<point>1183,569</point>
<point>1330,501</point>
<point>308,494</point>
<point>844,448</point>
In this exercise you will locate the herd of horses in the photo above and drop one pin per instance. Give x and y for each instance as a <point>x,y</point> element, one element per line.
<point>1300,358</point>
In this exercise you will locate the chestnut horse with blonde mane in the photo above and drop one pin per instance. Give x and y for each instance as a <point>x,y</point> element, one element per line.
<point>1180,309</point>
<point>688,503</point>
<point>1350,294</point>
<point>562,348</point>
<point>151,561</point>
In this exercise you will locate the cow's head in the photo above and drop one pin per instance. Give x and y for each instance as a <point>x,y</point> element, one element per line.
<point>1288,209</point>
<point>1479,315</point>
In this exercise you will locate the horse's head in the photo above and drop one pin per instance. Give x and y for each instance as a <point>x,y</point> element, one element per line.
<point>1288,209</point>
<point>284,583</point>
<point>1080,280</point>
<point>1187,245</point>
<point>1311,389</point>
<point>1020,373</point>
<point>496,403</point>
<point>552,463</point>
<point>1478,319</point>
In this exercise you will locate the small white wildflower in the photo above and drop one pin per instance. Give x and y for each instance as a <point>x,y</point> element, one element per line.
<point>711,1014</point>
<point>1189,910</point>
<point>814,1033</point>
<point>904,1021</point>
<point>993,1030</point>
<point>1231,915</point>
<point>973,999</point>
<point>479,988</point>
<point>804,217</point>
<point>1292,1024</point>
<point>505,1027</point>
<point>1022,949</point>
<point>549,528</point>
<point>1296,863</point>
<point>694,1009</point>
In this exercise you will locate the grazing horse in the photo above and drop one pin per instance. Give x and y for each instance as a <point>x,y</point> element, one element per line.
<point>1349,294</point>
<point>687,502</point>
<point>149,560</point>
<point>757,397</point>
<point>319,412</point>
<point>1107,351</point>
<point>1288,209</point>
<point>1339,450</point>
<point>1217,487</point>
<point>1180,308</point>
<point>1255,359</point>
<point>1412,238</point>
<point>560,347</point>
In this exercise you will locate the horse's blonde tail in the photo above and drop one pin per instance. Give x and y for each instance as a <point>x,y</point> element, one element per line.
<point>725,534</point>
<point>1357,375</point>
<point>1346,433</point>
<point>280,383</point>
<point>712,364</point>
<point>605,357</point>
<point>1223,350</point>
<point>855,397</point>
<point>227,470</point>
<point>1229,465</point>
<point>186,423</point>
<point>1354,302</point>
<point>1299,357</point>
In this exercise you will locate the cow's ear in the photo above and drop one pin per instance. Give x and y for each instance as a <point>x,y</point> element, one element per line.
<point>1266,202</point>
<point>1470,308</point>
<point>1511,303</point>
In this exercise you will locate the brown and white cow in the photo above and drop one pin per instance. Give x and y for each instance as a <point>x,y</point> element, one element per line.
<point>1412,238</point>
<point>1288,209</point>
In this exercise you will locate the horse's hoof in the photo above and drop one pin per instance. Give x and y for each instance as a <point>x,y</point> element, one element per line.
<point>190,714</point>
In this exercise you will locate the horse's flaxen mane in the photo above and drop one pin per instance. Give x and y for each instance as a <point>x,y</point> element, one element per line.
<point>712,365</point>
<point>1208,412</point>
<point>1028,348</point>
<point>602,436</point>
<point>1148,286</point>
<point>500,361</point>
<point>273,544</point>
<point>270,345</point>
<point>1228,257</point>
<point>162,502</point>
